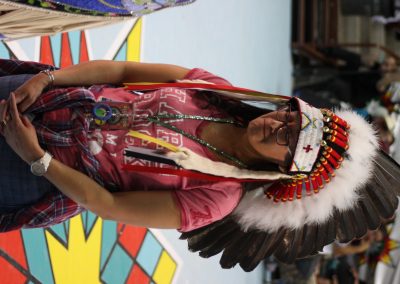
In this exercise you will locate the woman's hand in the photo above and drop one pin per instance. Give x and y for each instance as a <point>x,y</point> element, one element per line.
<point>19,132</point>
<point>28,92</point>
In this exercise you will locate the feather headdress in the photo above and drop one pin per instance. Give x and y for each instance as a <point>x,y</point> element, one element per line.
<point>340,185</point>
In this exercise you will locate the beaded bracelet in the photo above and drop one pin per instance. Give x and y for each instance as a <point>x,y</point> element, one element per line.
<point>50,75</point>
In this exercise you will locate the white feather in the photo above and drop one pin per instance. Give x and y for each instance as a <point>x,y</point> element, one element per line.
<point>257,211</point>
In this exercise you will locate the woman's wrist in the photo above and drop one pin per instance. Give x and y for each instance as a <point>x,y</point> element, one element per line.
<point>48,77</point>
<point>35,155</point>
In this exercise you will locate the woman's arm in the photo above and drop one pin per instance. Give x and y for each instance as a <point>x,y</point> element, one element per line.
<point>97,72</point>
<point>150,209</point>
<point>140,208</point>
<point>117,72</point>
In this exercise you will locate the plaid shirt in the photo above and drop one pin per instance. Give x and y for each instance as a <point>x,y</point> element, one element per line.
<point>55,207</point>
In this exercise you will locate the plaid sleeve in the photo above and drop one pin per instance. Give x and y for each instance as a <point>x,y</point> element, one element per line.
<point>54,208</point>
<point>13,67</point>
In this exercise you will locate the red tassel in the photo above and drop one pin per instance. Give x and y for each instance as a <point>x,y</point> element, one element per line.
<point>299,190</point>
<point>334,154</point>
<point>285,194</point>
<point>308,186</point>
<point>338,142</point>
<point>279,193</point>
<point>339,135</point>
<point>324,174</point>
<point>292,188</point>
<point>336,127</point>
<point>328,167</point>
<point>270,191</point>
<point>314,183</point>
<point>319,181</point>
<point>340,121</point>
<point>331,160</point>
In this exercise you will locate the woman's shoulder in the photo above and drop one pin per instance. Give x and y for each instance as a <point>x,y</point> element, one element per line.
<point>203,75</point>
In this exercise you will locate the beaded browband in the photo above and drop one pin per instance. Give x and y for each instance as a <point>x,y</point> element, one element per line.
<point>333,142</point>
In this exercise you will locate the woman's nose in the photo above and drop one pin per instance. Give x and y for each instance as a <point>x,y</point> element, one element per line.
<point>274,124</point>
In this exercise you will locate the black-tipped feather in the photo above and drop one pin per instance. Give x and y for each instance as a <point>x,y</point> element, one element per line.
<point>222,231</point>
<point>289,246</point>
<point>359,222</point>
<point>370,212</point>
<point>377,202</point>
<point>251,261</point>
<point>233,253</point>
<point>309,234</point>
<point>389,166</point>
<point>345,232</point>
<point>323,235</point>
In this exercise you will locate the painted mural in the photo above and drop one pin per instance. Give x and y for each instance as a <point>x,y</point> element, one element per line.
<point>84,249</point>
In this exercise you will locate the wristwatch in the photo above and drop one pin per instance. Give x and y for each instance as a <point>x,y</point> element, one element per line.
<point>39,167</point>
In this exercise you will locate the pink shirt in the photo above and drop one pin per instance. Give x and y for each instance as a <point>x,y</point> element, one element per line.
<point>201,202</point>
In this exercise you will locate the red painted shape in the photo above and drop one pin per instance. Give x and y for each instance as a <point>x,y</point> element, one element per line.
<point>10,274</point>
<point>12,244</point>
<point>308,149</point>
<point>83,53</point>
<point>120,227</point>
<point>137,276</point>
<point>46,55</point>
<point>131,239</point>
<point>66,55</point>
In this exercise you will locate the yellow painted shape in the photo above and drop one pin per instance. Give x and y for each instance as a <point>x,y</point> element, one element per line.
<point>165,269</point>
<point>133,42</point>
<point>80,261</point>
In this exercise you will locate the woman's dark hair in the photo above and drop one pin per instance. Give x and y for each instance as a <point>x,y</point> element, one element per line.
<point>238,110</point>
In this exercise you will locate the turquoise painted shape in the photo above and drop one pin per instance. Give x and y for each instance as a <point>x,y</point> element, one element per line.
<point>149,253</point>
<point>90,221</point>
<point>118,267</point>
<point>37,255</point>
<point>59,231</point>
<point>121,55</point>
<point>108,240</point>
<point>75,43</point>
<point>56,48</point>
<point>66,225</point>
<point>4,53</point>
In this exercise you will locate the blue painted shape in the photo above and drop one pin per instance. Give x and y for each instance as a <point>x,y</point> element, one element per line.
<point>118,267</point>
<point>109,238</point>
<point>66,223</point>
<point>149,253</point>
<point>75,42</point>
<point>121,55</point>
<point>56,48</point>
<point>90,221</point>
<point>37,255</point>
<point>59,231</point>
<point>4,53</point>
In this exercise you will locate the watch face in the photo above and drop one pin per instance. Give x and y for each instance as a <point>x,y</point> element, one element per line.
<point>38,169</point>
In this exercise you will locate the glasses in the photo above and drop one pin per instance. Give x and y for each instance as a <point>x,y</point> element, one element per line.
<point>283,133</point>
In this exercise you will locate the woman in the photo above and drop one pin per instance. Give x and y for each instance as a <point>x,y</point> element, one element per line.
<point>222,154</point>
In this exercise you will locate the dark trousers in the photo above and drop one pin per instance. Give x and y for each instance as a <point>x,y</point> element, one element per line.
<point>18,187</point>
